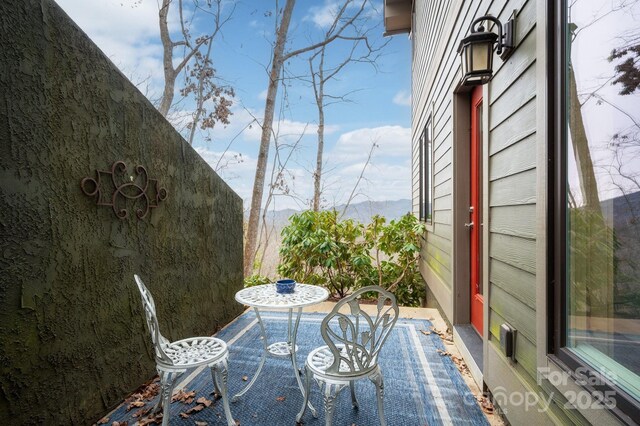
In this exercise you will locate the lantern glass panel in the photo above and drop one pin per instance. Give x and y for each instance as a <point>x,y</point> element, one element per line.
<point>481,55</point>
<point>466,59</point>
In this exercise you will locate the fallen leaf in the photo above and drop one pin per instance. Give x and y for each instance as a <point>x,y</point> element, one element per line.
<point>184,397</point>
<point>146,393</point>
<point>245,378</point>
<point>142,412</point>
<point>135,404</point>
<point>154,419</point>
<point>280,398</point>
<point>204,401</point>
<point>435,330</point>
<point>201,423</point>
<point>150,391</point>
<point>195,409</point>
<point>103,421</point>
<point>426,333</point>
<point>184,415</point>
<point>486,405</point>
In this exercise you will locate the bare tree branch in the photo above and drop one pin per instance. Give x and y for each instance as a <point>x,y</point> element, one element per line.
<point>374,145</point>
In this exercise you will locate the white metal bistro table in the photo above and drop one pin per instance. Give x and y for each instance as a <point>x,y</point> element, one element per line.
<point>265,297</point>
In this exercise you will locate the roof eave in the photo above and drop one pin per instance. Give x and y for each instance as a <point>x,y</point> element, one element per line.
<point>397,16</point>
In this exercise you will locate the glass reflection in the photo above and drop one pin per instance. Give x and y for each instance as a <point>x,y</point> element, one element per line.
<point>603,188</point>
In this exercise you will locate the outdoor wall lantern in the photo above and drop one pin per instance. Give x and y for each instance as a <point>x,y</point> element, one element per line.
<point>476,50</point>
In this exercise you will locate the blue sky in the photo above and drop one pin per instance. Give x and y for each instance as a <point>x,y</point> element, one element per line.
<point>379,111</point>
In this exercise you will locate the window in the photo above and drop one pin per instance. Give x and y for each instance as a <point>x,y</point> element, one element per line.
<point>426,155</point>
<point>595,234</point>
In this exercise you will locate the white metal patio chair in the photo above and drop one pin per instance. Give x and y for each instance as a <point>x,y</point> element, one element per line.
<point>354,340</point>
<point>174,358</point>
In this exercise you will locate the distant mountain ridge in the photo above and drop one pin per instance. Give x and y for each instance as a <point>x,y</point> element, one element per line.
<point>362,212</point>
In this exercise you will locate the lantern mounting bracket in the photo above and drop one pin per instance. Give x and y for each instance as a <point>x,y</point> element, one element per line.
<point>506,33</point>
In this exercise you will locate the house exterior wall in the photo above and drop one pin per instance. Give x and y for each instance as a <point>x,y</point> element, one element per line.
<point>515,187</point>
<point>433,75</point>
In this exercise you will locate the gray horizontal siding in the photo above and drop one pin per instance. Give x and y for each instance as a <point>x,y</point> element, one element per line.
<point>516,158</point>
<point>512,189</point>
<point>521,124</point>
<point>518,283</point>
<point>514,251</point>
<point>517,221</point>
<point>512,156</point>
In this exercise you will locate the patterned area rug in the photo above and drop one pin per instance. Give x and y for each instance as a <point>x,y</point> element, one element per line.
<point>422,387</point>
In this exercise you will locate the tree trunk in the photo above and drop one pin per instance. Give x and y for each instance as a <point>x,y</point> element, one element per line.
<point>318,174</point>
<point>591,239</point>
<point>167,60</point>
<point>580,145</point>
<point>320,103</point>
<point>265,140</point>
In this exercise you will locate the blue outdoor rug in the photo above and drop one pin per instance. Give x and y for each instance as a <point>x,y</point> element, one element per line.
<point>421,388</point>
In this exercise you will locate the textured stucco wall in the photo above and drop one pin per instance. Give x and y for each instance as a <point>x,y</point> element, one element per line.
<point>72,337</point>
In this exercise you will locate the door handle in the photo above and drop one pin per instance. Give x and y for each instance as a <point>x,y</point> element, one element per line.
<point>469,225</point>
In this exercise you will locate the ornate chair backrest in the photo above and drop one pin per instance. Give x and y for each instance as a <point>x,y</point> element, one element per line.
<point>353,336</point>
<point>149,307</point>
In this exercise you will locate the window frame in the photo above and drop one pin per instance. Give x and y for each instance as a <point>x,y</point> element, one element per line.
<point>425,187</point>
<point>626,408</point>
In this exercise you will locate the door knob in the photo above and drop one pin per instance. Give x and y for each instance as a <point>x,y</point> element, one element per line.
<point>469,225</point>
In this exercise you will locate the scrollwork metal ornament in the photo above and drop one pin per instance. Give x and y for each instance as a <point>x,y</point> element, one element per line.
<point>113,188</point>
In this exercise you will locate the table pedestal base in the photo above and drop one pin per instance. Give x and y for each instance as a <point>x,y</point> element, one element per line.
<point>280,350</point>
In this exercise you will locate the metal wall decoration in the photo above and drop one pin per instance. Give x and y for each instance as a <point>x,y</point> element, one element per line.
<point>113,188</point>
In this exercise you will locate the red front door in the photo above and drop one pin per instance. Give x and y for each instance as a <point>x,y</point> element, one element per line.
<point>475,212</point>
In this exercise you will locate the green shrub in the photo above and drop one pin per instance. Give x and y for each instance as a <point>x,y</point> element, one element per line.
<point>317,248</point>
<point>395,249</point>
<point>256,279</point>
<point>343,255</point>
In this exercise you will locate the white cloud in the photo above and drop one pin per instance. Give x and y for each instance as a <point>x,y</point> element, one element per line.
<point>323,16</point>
<point>263,95</point>
<point>127,22</point>
<point>402,98</point>
<point>386,176</point>
<point>127,32</point>
<point>381,181</point>
<point>391,141</point>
